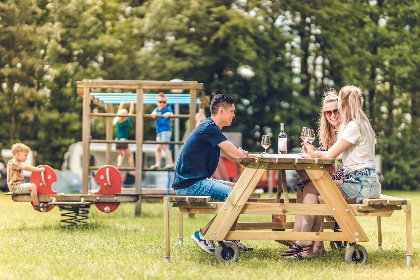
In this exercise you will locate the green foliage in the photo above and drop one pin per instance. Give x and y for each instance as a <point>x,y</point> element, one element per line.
<point>276,58</point>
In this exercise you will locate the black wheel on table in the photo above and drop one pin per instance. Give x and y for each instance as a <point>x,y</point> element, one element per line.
<point>227,252</point>
<point>338,245</point>
<point>351,254</point>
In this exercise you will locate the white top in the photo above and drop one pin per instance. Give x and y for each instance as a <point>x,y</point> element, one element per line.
<point>362,153</point>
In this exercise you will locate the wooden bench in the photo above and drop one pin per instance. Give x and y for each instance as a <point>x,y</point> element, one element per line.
<point>381,207</point>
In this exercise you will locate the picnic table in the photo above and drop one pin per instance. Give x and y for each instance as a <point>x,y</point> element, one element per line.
<point>239,203</point>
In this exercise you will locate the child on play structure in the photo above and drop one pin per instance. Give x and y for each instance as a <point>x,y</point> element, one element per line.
<point>122,124</point>
<point>16,181</point>
<point>163,131</point>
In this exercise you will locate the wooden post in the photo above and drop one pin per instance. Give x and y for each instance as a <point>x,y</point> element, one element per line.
<point>193,108</point>
<point>85,139</point>
<point>108,136</point>
<point>379,221</point>
<point>409,234</point>
<point>139,148</point>
<point>181,227</point>
<point>166,228</point>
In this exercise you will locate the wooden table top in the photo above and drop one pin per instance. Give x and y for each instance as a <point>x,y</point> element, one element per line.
<point>289,159</point>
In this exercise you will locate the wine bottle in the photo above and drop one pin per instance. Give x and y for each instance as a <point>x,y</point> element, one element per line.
<point>282,140</point>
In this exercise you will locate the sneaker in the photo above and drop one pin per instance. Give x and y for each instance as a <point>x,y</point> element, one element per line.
<point>242,247</point>
<point>205,245</point>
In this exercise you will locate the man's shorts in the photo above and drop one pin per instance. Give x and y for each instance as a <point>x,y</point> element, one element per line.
<point>361,184</point>
<point>23,188</point>
<point>164,136</point>
<point>217,189</point>
<point>121,146</point>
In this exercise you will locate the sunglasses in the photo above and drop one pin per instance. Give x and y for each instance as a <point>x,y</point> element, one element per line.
<point>329,113</point>
<point>162,102</point>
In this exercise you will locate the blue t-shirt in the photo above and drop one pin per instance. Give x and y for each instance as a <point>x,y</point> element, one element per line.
<point>123,128</point>
<point>199,156</point>
<point>162,124</point>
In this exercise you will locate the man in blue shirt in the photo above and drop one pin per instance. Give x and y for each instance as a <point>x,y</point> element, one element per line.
<point>199,158</point>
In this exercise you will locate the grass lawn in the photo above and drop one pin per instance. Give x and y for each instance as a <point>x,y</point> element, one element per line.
<point>118,245</point>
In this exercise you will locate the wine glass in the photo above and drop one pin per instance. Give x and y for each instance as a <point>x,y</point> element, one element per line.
<point>303,137</point>
<point>310,135</point>
<point>265,142</point>
<point>303,134</point>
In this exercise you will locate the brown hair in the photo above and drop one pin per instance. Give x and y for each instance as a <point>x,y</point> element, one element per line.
<point>19,147</point>
<point>326,132</point>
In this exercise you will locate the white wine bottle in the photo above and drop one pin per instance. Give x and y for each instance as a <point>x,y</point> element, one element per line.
<point>282,140</point>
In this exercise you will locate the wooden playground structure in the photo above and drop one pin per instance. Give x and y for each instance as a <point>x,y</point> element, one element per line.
<point>105,94</point>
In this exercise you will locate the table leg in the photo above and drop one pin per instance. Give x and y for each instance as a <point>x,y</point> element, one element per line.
<point>234,204</point>
<point>336,203</point>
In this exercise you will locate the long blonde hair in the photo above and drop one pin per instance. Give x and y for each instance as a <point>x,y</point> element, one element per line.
<point>350,106</point>
<point>326,133</point>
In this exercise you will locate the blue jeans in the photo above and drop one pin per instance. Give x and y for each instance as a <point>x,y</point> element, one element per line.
<point>361,184</point>
<point>217,189</point>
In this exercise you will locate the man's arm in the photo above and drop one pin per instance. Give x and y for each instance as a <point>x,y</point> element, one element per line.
<point>230,151</point>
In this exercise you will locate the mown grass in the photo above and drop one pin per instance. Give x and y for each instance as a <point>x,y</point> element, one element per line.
<point>120,246</point>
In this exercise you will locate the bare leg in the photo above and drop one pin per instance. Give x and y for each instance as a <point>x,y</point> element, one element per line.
<point>158,155</point>
<point>130,158</point>
<point>310,196</point>
<point>168,156</point>
<point>120,158</point>
<point>317,227</point>
<point>34,193</point>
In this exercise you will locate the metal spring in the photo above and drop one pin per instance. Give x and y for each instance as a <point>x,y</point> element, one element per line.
<point>74,215</point>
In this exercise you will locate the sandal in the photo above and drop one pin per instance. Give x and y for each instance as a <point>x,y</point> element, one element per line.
<point>295,249</point>
<point>169,167</point>
<point>154,167</point>
<point>297,256</point>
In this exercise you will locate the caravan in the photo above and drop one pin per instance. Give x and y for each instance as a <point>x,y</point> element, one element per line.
<point>151,179</point>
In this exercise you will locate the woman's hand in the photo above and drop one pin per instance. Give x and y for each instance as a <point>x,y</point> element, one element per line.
<point>333,169</point>
<point>309,149</point>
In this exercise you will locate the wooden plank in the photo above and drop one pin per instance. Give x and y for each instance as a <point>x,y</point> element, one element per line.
<point>336,203</point>
<point>236,201</point>
<point>274,225</point>
<point>286,235</point>
<point>190,198</point>
<point>135,84</point>
<point>78,198</point>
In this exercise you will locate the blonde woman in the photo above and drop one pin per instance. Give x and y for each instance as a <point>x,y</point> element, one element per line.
<point>328,125</point>
<point>356,144</point>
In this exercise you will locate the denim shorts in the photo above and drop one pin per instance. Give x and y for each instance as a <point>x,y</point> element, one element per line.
<point>23,188</point>
<point>164,136</point>
<point>217,189</point>
<point>361,184</point>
